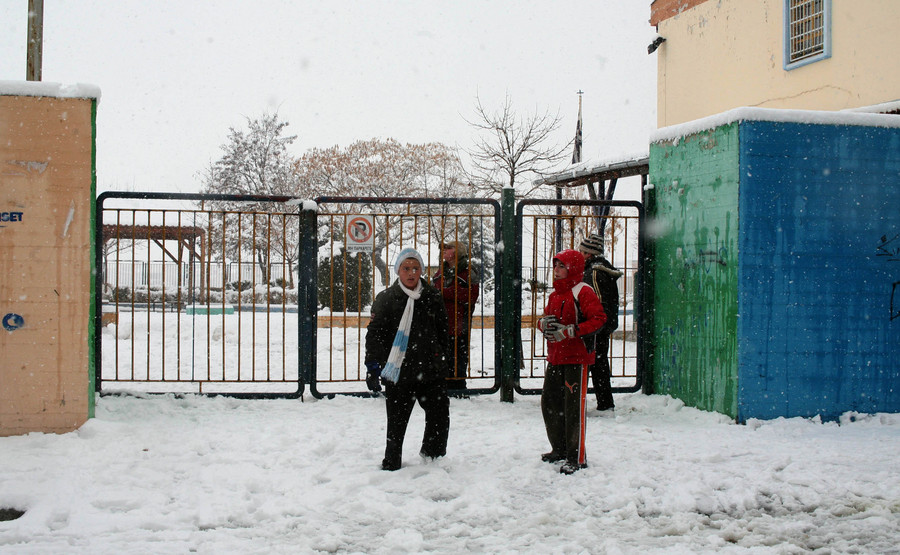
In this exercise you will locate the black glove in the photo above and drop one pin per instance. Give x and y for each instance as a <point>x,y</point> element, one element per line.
<point>373,376</point>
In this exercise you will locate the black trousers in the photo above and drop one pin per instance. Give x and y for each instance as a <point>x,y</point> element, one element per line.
<point>601,374</point>
<point>562,405</point>
<point>400,399</point>
<point>459,346</point>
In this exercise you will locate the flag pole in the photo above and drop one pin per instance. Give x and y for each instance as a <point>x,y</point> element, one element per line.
<point>576,159</point>
<point>576,153</point>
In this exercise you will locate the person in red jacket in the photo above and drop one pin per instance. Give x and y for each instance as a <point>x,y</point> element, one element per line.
<point>573,312</point>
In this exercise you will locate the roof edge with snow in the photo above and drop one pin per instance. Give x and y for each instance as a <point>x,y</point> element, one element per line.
<point>576,174</point>
<point>689,128</point>
<point>43,88</point>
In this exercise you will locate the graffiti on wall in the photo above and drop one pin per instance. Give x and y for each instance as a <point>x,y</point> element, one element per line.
<point>13,321</point>
<point>707,258</point>
<point>6,217</point>
<point>696,269</point>
<point>889,247</point>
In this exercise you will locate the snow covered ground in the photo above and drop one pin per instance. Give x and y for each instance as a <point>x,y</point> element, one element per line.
<point>219,475</point>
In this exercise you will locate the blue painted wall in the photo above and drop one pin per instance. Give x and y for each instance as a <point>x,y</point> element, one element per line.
<point>819,270</point>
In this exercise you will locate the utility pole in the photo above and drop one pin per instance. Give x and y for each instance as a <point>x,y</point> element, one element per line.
<point>35,40</point>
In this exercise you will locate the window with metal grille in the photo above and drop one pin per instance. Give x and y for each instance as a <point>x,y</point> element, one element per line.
<point>807,31</point>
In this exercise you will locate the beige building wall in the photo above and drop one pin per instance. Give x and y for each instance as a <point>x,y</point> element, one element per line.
<point>724,54</point>
<point>46,201</point>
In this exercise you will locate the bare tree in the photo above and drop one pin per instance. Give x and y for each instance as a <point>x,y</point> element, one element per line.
<point>381,168</point>
<point>512,147</point>
<point>255,162</point>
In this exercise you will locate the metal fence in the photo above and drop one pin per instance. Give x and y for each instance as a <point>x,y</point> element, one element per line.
<point>154,275</point>
<point>346,289</point>
<point>198,294</point>
<point>545,228</point>
<point>211,294</point>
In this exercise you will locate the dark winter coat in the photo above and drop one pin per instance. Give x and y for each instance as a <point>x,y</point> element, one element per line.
<point>603,278</point>
<point>561,303</point>
<point>459,288</point>
<point>428,352</point>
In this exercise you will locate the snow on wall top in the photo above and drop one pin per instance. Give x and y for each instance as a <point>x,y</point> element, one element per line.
<point>675,132</point>
<point>878,108</point>
<point>43,88</point>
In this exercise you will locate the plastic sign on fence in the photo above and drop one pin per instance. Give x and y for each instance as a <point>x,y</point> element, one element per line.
<point>360,234</point>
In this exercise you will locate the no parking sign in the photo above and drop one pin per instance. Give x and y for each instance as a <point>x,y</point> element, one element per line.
<point>360,234</point>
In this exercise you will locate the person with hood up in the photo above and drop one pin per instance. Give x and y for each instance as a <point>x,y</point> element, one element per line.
<point>408,349</point>
<point>573,313</point>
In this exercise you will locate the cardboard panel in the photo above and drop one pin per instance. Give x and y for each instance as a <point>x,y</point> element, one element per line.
<point>46,197</point>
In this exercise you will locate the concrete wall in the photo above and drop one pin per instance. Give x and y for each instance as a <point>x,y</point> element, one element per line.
<point>723,54</point>
<point>776,265</point>
<point>820,270</point>
<point>693,209</point>
<point>46,204</point>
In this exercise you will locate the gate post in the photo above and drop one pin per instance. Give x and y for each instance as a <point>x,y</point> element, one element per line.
<point>307,298</point>
<point>508,313</point>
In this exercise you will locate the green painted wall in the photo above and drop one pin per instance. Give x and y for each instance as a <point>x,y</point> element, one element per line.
<point>693,214</point>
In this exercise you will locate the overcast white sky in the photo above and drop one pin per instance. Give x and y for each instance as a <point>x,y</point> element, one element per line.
<point>175,75</point>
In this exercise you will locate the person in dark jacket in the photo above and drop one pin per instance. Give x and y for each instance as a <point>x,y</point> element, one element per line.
<point>408,350</point>
<point>458,285</point>
<point>573,313</point>
<point>603,278</point>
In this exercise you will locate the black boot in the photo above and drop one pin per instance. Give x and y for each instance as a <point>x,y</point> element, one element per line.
<point>390,465</point>
<point>569,467</point>
<point>552,457</point>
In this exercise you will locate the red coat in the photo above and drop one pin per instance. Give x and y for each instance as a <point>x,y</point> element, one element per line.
<point>460,291</point>
<point>561,304</point>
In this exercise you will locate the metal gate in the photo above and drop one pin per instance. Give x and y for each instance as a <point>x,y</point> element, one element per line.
<point>260,296</point>
<point>423,224</point>
<point>544,227</point>
<point>196,293</point>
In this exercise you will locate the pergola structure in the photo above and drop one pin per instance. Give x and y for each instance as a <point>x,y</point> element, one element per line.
<point>186,236</point>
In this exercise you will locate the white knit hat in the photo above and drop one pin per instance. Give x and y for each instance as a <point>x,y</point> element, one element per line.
<point>408,253</point>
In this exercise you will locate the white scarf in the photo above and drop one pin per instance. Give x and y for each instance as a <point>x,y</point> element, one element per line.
<point>391,371</point>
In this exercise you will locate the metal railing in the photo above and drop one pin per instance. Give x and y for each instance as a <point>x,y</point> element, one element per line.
<point>210,294</point>
<point>543,233</point>
<point>398,223</point>
<point>195,294</point>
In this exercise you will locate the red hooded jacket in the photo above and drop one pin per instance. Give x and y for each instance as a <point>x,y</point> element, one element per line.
<point>561,304</point>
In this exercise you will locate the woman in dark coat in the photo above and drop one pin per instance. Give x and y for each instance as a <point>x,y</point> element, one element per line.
<point>458,285</point>
<point>408,349</point>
